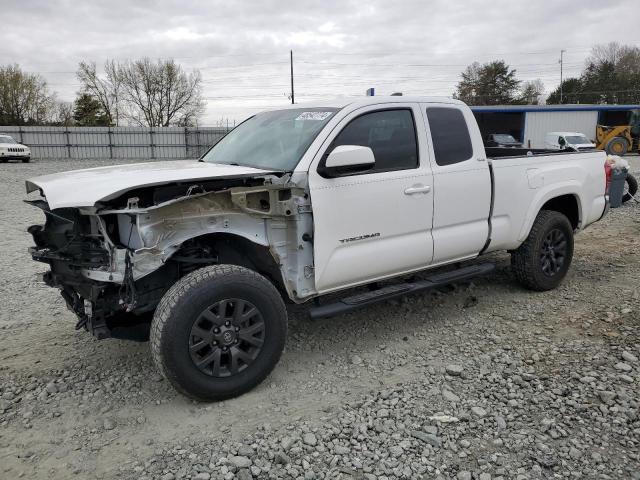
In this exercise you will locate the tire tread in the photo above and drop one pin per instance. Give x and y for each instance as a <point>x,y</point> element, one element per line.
<point>521,264</point>
<point>173,296</point>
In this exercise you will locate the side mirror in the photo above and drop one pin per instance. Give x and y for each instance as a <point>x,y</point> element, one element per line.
<point>346,159</point>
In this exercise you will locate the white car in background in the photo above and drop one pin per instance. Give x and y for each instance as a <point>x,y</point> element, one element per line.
<point>12,150</point>
<point>569,141</point>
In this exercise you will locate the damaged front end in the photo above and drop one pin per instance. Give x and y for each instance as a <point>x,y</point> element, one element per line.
<point>73,244</point>
<point>114,261</point>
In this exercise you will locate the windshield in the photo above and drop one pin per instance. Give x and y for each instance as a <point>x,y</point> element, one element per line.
<point>271,140</point>
<point>6,139</point>
<point>504,138</point>
<point>577,139</point>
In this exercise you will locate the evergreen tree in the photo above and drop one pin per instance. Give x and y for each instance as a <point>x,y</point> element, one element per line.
<point>88,112</point>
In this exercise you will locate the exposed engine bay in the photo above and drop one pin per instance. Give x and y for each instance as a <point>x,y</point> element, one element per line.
<point>114,261</point>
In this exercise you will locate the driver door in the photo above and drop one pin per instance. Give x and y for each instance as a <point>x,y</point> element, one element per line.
<point>376,223</point>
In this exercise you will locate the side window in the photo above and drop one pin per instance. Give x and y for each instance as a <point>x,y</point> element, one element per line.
<point>450,135</point>
<point>389,133</point>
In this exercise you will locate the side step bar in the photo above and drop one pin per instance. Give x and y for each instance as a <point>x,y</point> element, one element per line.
<point>360,300</point>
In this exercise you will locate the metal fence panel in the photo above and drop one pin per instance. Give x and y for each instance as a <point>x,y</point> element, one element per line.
<point>116,142</point>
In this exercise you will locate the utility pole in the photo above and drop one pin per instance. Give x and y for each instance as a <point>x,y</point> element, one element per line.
<point>561,58</point>
<point>291,62</point>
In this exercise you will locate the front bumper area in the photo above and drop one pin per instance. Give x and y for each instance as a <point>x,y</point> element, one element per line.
<point>15,156</point>
<point>71,244</point>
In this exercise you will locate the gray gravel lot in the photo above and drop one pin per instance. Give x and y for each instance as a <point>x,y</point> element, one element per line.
<point>481,380</point>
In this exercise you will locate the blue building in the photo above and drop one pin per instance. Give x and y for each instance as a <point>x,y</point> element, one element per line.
<point>531,123</point>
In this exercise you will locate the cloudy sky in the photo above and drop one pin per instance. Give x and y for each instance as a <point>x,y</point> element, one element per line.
<point>340,47</point>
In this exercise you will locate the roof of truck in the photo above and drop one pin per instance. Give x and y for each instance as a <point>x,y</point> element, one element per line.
<point>340,102</point>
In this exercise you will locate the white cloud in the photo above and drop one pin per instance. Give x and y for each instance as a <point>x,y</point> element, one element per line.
<point>340,46</point>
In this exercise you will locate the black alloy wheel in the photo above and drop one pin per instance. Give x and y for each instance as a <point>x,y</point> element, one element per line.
<point>226,337</point>
<point>553,252</point>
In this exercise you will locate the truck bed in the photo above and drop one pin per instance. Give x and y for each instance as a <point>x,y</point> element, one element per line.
<point>523,183</point>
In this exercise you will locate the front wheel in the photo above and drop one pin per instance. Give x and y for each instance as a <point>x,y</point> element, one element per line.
<point>218,332</point>
<point>26,160</point>
<point>543,260</point>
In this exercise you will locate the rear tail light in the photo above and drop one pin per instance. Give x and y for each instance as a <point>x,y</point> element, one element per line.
<point>607,175</point>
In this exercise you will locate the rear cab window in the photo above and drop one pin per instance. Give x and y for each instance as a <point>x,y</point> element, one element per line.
<point>449,135</point>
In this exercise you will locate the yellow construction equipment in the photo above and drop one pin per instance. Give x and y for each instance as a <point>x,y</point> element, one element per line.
<point>620,139</point>
<point>614,140</point>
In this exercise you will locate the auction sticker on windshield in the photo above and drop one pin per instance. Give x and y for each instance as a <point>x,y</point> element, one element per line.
<point>313,115</point>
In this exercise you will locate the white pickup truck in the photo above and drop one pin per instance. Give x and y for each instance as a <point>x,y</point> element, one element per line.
<point>294,204</point>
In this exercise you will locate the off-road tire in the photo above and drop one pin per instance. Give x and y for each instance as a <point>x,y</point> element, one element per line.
<point>181,307</point>
<point>26,160</point>
<point>632,188</point>
<point>526,261</point>
<point>617,146</point>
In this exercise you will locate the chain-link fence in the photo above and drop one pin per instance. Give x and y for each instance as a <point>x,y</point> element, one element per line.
<point>116,142</point>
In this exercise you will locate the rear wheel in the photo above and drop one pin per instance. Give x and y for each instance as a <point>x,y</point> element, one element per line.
<point>617,146</point>
<point>631,188</point>
<point>218,332</point>
<point>543,260</point>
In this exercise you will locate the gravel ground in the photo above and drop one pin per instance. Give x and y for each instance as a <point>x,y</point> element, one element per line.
<point>481,380</point>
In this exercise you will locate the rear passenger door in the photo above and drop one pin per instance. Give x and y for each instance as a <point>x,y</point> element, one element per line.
<point>461,183</point>
<point>376,223</point>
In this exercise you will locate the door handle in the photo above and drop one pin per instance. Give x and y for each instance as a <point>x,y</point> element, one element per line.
<point>417,189</point>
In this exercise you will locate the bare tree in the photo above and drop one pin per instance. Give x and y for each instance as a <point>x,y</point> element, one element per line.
<point>105,89</point>
<point>64,114</point>
<point>606,53</point>
<point>24,97</point>
<point>159,94</point>
<point>531,91</point>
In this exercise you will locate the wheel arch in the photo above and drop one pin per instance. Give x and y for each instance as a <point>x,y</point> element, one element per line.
<point>235,249</point>
<point>568,205</point>
<point>565,199</point>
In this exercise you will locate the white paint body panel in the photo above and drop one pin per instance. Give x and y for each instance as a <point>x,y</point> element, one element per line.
<point>462,198</point>
<point>524,184</point>
<point>398,224</point>
<point>83,188</point>
<point>538,124</point>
